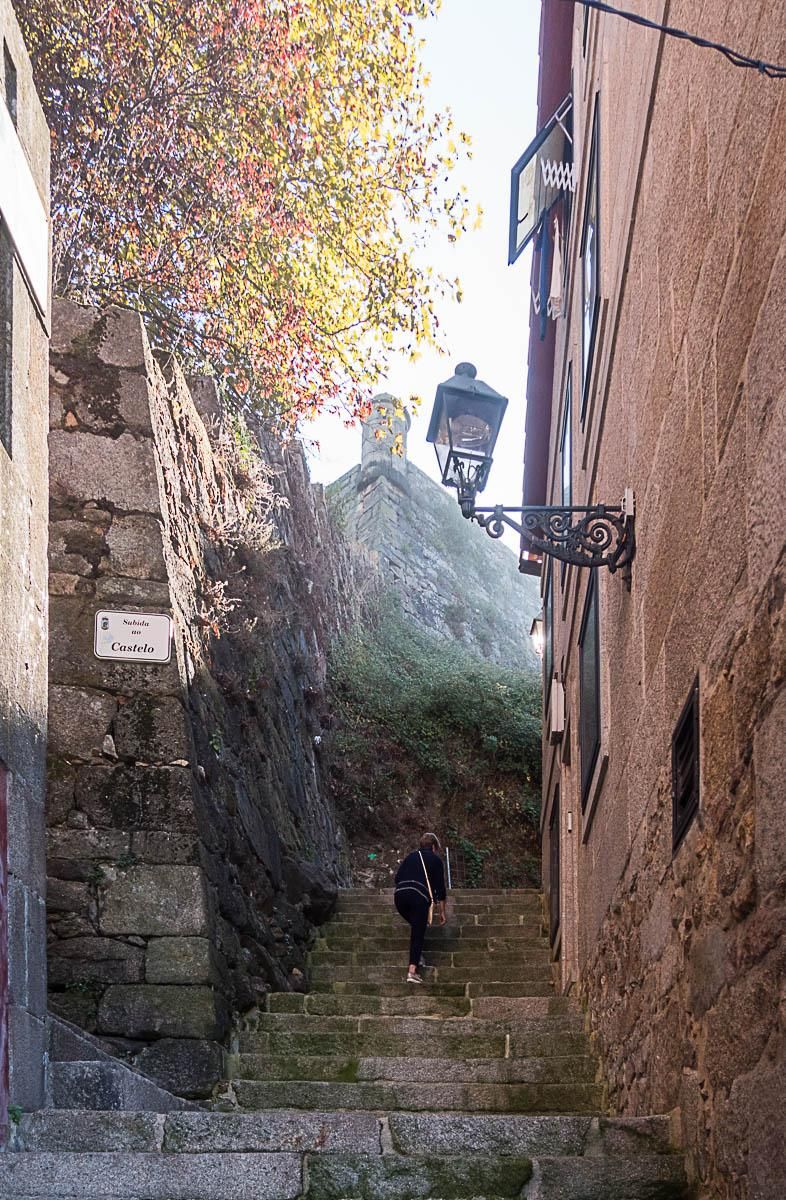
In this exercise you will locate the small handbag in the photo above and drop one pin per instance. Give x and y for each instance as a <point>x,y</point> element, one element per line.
<point>430,893</point>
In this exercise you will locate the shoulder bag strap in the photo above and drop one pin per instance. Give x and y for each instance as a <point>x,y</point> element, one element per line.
<point>428,881</point>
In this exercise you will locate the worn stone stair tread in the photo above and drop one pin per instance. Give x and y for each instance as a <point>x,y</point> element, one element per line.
<point>535,1135</point>
<point>414,1027</point>
<point>392,972</point>
<point>394,1177</point>
<point>417,1003</point>
<point>536,960</point>
<point>344,1069</point>
<point>400,987</point>
<point>434,1097</point>
<point>143,1176</point>
<point>531,1045</point>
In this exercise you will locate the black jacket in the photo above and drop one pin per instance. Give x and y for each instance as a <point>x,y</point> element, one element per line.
<point>410,876</point>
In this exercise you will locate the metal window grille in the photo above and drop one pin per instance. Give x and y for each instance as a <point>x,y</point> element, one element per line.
<point>685,767</point>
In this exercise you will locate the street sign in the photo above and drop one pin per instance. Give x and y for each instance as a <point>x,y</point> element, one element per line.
<point>133,637</point>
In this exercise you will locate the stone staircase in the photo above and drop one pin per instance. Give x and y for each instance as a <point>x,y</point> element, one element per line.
<point>478,1085</point>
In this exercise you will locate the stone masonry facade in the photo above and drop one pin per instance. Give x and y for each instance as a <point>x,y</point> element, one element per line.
<point>679,953</point>
<point>451,578</point>
<point>192,846</point>
<point>23,619</point>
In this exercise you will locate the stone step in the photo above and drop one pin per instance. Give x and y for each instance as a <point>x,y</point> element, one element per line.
<point>417,1002</point>
<point>393,925</point>
<point>525,1044</point>
<point>281,1130</point>
<point>343,1069</point>
<point>460,911</point>
<point>486,959</point>
<point>485,972</point>
<point>362,1177</point>
<point>400,941</point>
<point>354,1177</point>
<point>128,1176</point>
<point>388,892</point>
<point>414,1097</point>
<point>398,986</point>
<point>509,1020</point>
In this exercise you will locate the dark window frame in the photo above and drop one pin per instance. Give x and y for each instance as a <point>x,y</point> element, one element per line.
<point>589,753</point>
<point>686,752</point>
<point>566,438</point>
<point>590,306</point>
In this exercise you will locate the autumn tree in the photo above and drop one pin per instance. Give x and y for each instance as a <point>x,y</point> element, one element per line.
<point>255,176</point>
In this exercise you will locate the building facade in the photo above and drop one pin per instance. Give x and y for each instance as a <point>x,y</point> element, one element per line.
<point>664,785</point>
<point>24,323</point>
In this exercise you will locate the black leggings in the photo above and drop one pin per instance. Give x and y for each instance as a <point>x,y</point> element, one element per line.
<point>414,909</point>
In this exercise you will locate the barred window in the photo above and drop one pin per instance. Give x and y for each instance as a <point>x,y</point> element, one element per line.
<point>685,767</point>
<point>590,267</point>
<point>554,871</point>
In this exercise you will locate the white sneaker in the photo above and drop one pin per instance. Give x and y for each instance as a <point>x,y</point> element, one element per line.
<point>413,978</point>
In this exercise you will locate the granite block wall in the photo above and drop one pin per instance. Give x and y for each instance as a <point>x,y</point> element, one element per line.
<point>192,846</point>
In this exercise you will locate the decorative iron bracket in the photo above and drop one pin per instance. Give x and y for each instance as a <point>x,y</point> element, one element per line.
<point>596,536</point>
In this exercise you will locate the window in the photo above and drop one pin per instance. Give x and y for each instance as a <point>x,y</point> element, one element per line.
<point>590,269</point>
<point>9,72</point>
<point>589,688</point>
<point>549,635</point>
<point>685,767</point>
<point>6,323</point>
<point>554,872</point>
<point>585,31</point>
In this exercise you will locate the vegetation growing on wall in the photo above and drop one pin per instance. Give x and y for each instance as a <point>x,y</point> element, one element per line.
<point>427,734</point>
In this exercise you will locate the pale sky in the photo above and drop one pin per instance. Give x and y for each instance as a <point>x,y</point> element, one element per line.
<point>483,61</point>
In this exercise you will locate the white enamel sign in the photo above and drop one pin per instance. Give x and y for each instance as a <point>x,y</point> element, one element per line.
<point>24,213</point>
<point>133,636</point>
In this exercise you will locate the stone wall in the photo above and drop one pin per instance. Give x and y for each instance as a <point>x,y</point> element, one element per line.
<point>192,846</point>
<point>23,636</point>
<point>450,576</point>
<point>679,955</point>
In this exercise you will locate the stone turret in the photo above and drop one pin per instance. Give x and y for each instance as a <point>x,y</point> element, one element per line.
<point>380,431</point>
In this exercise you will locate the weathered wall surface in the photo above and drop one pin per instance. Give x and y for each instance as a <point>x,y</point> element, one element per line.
<point>680,957</point>
<point>451,577</point>
<point>23,633</point>
<point>191,843</point>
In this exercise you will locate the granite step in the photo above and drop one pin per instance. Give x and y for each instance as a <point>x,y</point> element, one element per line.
<point>507,1020</point>
<point>437,1045</point>
<point>483,972</point>
<point>574,1097</point>
<point>399,940</point>
<point>480,959</point>
<point>398,986</point>
<point>354,1177</point>
<point>343,1069</point>
<point>418,1002</point>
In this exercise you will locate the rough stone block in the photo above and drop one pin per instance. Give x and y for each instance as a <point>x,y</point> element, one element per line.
<point>152,1176</point>
<point>198,1132</point>
<point>388,1177</point>
<point>155,902</point>
<point>27,1040</point>
<point>103,959</point>
<point>79,720</point>
<point>153,1010</point>
<point>97,1132</point>
<point>117,471</point>
<point>152,729</point>
<point>186,1066</point>
<point>178,960</point>
<point>135,548</point>
<point>133,797</point>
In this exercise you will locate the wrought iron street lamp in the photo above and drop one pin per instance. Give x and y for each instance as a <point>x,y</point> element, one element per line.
<point>464,427</point>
